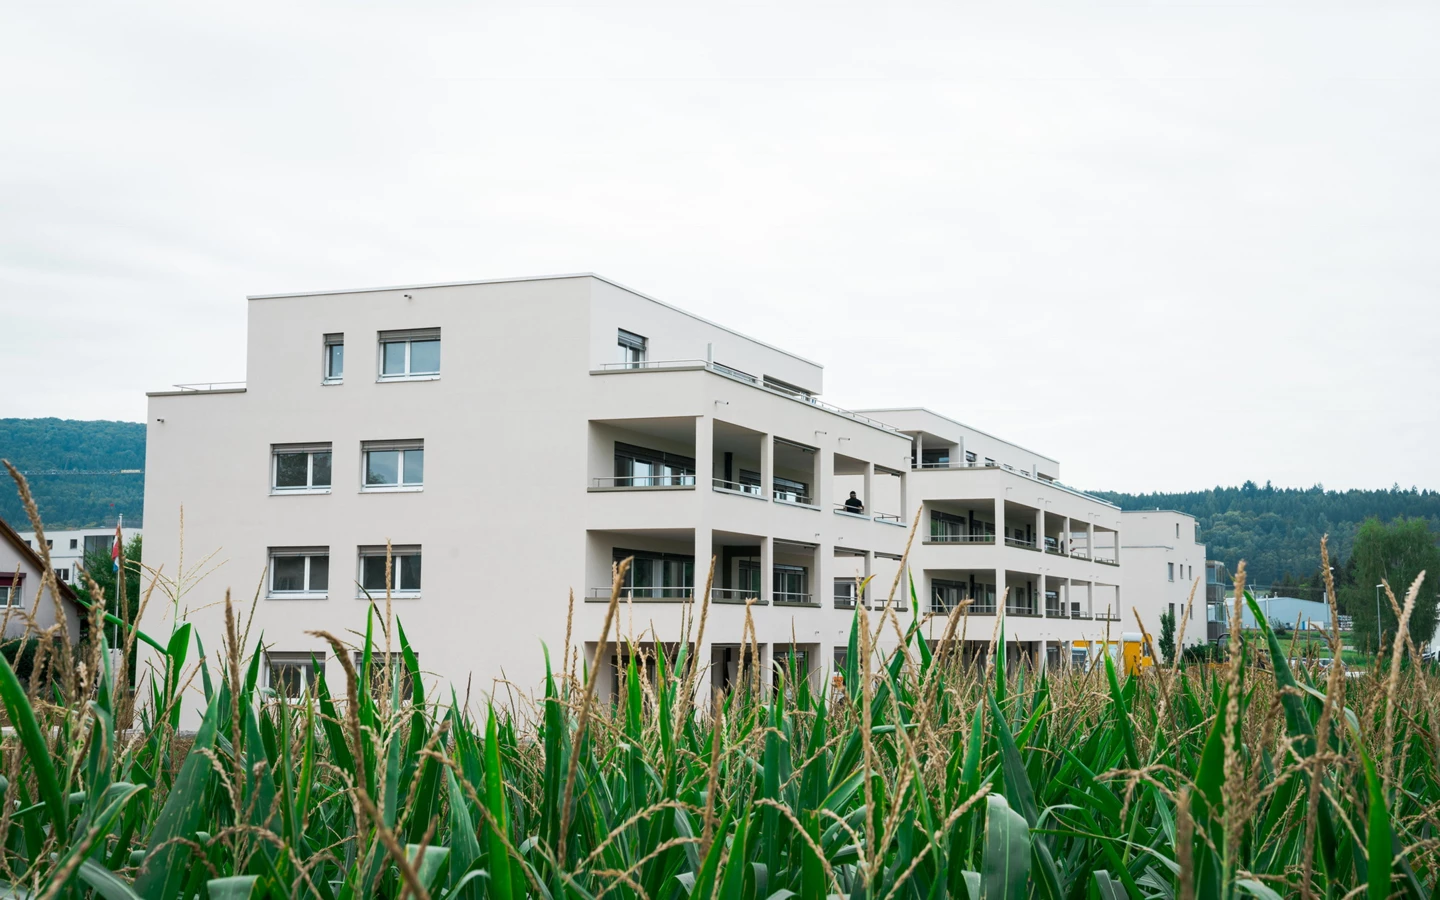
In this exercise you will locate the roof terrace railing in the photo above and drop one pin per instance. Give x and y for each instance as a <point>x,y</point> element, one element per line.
<point>201,386</point>
<point>751,380</point>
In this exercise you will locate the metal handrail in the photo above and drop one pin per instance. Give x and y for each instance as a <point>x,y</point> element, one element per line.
<point>737,487</point>
<point>786,598</point>
<point>733,375</point>
<point>671,593</point>
<point>1020,542</point>
<point>1024,612</point>
<point>888,517</point>
<point>841,508</point>
<point>792,497</point>
<point>1058,551</point>
<point>209,386</point>
<point>1107,562</point>
<point>640,482</point>
<point>1080,554</point>
<point>961,539</point>
<point>960,464</point>
<point>735,595</point>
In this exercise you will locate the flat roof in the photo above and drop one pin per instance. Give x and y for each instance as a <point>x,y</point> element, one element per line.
<point>597,277</point>
<point>1159,510</point>
<point>932,412</point>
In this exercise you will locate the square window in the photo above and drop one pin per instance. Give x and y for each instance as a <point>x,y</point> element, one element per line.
<point>393,464</point>
<point>9,595</point>
<point>292,675</point>
<point>410,354</point>
<point>74,543</point>
<point>299,572</point>
<point>404,570</point>
<point>300,468</point>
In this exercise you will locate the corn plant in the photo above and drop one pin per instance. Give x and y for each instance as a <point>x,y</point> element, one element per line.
<point>914,774</point>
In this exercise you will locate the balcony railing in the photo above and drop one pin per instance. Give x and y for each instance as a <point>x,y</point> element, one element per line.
<point>842,509</point>
<point>641,482</point>
<point>1057,551</point>
<point>735,595</point>
<point>1022,473</point>
<point>1024,612</point>
<point>1020,542</point>
<point>743,378</point>
<point>738,487</point>
<point>961,539</point>
<point>891,518</point>
<point>207,386</point>
<point>790,598</point>
<point>1104,561</point>
<point>956,464</point>
<point>1107,616</point>
<point>663,594</point>
<point>793,498</point>
<point>1079,554</point>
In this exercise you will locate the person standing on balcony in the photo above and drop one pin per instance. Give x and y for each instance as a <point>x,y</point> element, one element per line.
<point>853,505</point>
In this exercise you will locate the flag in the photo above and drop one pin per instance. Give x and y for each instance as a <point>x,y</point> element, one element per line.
<point>115,551</point>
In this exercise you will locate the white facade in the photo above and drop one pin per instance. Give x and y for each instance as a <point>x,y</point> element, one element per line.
<point>1164,561</point>
<point>512,439</point>
<point>68,548</point>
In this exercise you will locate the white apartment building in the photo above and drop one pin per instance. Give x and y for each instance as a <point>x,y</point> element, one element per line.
<point>68,549</point>
<point>1163,552</point>
<point>513,439</point>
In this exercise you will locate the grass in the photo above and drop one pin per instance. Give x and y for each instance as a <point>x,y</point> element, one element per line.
<point>918,777</point>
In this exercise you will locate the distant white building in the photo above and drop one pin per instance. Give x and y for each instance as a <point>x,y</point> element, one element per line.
<point>521,436</point>
<point>1164,564</point>
<point>68,549</point>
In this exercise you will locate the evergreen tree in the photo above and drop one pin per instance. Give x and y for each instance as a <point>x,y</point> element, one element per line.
<point>1167,635</point>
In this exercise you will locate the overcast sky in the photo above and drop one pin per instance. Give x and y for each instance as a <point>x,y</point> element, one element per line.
<point>1170,245</point>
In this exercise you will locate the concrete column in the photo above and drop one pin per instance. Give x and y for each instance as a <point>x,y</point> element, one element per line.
<point>1090,539</point>
<point>767,467</point>
<point>959,459</point>
<point>1042,649</point>
<point>999,590</point>
<point>865,491</point>
<point>1065,598</point>
<point>767,569</point>
<point>1000,521</point>
<point>1117,546</point>
<point>704,471</point>
<point>1090,598</point>
<point>1040,526</point>
<point>824,487</point>
<point>904,510</point>
<point>919,450</point>
<point>1117,607</point>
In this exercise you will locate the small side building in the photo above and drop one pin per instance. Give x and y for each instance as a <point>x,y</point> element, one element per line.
<point>21,593</point>
<point>1165,561</point>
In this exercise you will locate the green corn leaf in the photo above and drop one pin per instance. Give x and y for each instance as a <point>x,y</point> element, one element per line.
<point>235,887</point>
<point>495,800</point>
<point>105,882</point>
<point>37,752</point>
<point>1007,852</point>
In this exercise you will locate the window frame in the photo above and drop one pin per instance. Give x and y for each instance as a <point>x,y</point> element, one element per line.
<point>634,348</point>
<point>308,592</point>
<point>310,665</point>
<point>401,485</point>
<point>408,337</point>
<point>397,551</point>
<point>327,371</point>
<point>12,595</point>
<point>310,451</point>
<point>1172,570</point>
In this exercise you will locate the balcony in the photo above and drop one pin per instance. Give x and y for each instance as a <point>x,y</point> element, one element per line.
<point>1022,543</point>
<point>1023,610</point>
<point>1107,562</point>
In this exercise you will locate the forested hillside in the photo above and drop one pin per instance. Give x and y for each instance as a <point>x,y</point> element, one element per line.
<point>83,474</point>
<point>1277,530</point>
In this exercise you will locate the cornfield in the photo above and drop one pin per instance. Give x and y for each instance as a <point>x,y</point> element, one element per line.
<point>914,775</point>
